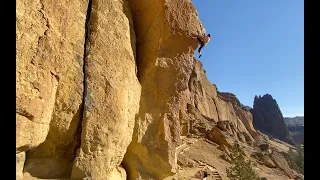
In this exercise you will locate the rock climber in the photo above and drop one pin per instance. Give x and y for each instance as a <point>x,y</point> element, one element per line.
<point>204,39</point>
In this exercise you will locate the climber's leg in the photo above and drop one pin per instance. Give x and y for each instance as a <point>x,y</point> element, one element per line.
<point>199,50</point>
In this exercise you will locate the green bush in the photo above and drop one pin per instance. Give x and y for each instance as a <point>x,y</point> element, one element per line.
<point>296,159</point>
<point>240,170</point>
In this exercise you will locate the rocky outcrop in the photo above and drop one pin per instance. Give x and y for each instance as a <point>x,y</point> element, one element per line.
<point>203,93</point>
<point>268,118</point>
<point>217,106</point>
<point>263,158</point>
<point>49,82</point>
<point>118,173</point>
<point>76,86</point>
<point>195,122</point>
<point>230,128</point>
<point>112,91</point>
<point>165,60</point>
<point>281,163</point>
<point>267,161</point>
<point>219,137</point>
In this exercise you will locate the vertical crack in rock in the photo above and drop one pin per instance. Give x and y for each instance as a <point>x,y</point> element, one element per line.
<point>112,92</point>
<point>215,104</point>
<point>79,129</point>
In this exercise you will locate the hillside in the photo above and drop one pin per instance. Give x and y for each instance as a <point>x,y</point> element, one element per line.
<point>294,121</point>
<point>297,133</point>
<point>296,128</point>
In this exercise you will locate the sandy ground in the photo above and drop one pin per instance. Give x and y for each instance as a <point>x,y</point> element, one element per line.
<point>202,150</point>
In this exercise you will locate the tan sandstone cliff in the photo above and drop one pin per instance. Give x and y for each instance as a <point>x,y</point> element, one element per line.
<point>165,61</point>
<point>112,91</point>
<point>63,98</point>
<point>49,82</point>
<point>217,106</point>
<point>108,89</point>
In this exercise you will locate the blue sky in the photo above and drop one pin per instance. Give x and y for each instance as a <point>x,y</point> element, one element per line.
<point>256,47</point>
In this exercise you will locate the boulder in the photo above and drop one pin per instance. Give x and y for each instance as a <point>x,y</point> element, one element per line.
<point>264,146</point>
<point>262,143</point>
<point>264,159</point>
<point>219,137</point>
<point>224,148</point>
<point>282,164</point>
<point>184,161</point>
<point>267,161</point>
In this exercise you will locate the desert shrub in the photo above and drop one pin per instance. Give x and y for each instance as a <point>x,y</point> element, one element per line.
<point>241,169</point>
<point>296,159</point>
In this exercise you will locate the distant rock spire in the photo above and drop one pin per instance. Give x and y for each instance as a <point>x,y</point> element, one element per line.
<point>268,118</point>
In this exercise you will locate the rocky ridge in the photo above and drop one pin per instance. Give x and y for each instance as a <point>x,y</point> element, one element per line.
<point>294,121</point>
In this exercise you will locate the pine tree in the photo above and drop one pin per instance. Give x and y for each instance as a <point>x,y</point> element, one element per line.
<point>241,170</point>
